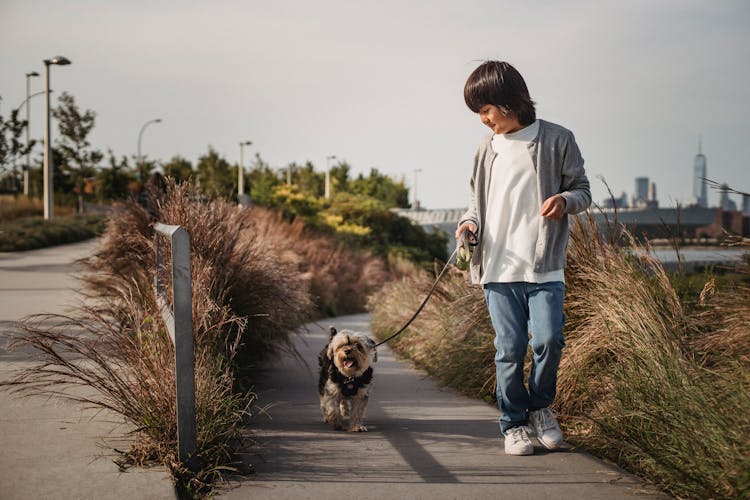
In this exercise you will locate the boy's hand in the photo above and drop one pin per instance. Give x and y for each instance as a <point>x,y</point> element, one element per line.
<point>466,225</point>
<point>553,207</point>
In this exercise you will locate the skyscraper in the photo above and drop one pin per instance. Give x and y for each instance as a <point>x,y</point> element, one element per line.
<point>725,202</point>
<point>652,201</point>
<point>641,192</point>
<point>699,178</point>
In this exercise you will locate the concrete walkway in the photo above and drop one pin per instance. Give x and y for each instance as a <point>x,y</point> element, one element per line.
<point>424,442</point>
<point>51,448</point>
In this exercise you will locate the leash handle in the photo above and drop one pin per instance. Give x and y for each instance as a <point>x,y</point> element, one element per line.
<point>467,240</point>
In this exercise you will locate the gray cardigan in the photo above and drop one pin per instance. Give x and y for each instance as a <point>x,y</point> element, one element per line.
<point>559,167</point>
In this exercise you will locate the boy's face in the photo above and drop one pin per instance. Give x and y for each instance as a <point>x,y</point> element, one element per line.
<point>499,122</point>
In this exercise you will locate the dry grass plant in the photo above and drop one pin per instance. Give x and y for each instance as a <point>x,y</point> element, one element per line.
<point>643,381</point>
<point>451,333</point>
<point>340,277</point>
<point>243,298</point>
<point>634,388</point>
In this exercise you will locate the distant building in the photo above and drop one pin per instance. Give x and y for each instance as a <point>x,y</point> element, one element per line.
<point>746,204</point>
<point>652,201</point>
<point>645,194</point>
<point>725,202</point>
<point>700,191</point>
<point>641,191</point>
<point>621,202</point>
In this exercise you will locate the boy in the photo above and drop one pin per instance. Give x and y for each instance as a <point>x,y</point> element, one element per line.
<point>528,176</point>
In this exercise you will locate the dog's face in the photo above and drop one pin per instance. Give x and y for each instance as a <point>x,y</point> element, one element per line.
<point>352,353</point>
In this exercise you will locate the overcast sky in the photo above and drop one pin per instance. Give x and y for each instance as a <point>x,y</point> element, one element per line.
<point>380,84</point>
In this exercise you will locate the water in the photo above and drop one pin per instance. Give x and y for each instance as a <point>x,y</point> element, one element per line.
<point>707,255</point>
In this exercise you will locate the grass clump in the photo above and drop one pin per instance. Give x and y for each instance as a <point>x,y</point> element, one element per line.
<point>340,276</point>
<point>452,337</point>
<point>637,387</point>
<point>661,388</point>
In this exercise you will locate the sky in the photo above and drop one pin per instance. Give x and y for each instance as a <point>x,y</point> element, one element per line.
<point>380,84</point>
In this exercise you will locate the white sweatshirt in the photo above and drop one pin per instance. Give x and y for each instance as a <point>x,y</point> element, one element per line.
<point>512,217</point>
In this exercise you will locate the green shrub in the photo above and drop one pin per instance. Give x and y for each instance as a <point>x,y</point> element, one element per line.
<point>360,221</point>
<point>27,233</point>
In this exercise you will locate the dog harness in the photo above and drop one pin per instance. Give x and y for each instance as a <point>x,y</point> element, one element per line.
<point>349,385</point>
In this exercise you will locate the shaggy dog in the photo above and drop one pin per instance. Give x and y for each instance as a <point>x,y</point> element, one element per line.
<point>346,378</point>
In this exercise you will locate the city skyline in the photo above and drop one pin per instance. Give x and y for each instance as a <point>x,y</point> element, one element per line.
<point>637,83</point>
<point>644,195</point>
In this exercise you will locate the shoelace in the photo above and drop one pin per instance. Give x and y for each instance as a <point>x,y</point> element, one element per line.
<point>547,420</point>
<point>518,434</point>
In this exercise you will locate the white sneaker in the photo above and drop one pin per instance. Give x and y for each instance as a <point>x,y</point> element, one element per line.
<point>547,429</point>
<point>517,441</point>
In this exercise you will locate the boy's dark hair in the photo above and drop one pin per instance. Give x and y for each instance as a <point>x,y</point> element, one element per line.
<point>500,84</point>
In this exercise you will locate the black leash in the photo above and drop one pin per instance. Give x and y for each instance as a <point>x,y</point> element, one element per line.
<point>471,240</point>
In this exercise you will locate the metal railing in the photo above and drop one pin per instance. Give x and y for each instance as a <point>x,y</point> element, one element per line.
<point>179,321</point>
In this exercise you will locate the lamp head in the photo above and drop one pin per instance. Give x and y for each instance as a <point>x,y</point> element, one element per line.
<point>33,73</point>
<point>246,143</point>
<point>59,60</point>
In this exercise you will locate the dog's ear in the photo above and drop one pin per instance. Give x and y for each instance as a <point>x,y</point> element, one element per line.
<point>332,331</point>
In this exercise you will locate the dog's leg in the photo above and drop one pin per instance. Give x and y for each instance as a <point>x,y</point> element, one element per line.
<point>330,403</point>
<point>346,407</point>
<point>356,418</point>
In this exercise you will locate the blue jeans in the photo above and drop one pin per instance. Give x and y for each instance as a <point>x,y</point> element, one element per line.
<point>517,308</point>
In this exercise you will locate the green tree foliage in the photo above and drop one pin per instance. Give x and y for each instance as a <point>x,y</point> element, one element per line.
<point>358,212</point>
<point>340,177</point>
<point>113,182</point>
<point>381,187</point>
<point>215,176</point>
<point>11,148</point>
<point>178,168</point>
<point>144,169</point>
<point>387,231</point>
<point>80,159</point>
<point>64,184</point>
<point>309,181</point>
<point>262,180</point>
<point>293,203</point>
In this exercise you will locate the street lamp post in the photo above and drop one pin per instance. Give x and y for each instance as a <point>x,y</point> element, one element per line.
<point>27,166</point>
<point>328,176</point>
<point>48,160</point>
<point>138,156</point>
<point>242,199</point>
<point>416,198</point>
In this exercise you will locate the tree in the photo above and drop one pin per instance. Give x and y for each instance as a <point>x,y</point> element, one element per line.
<point>79,158</point>
<point>11,148</point>
<point>381,187</point>
<point>261,182</point>
<point>308,180</point>
<point>179,168</point>
<point>340,177</point>
<point>143,169</point>
<point>112,182</point>
<point>215,175</point>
